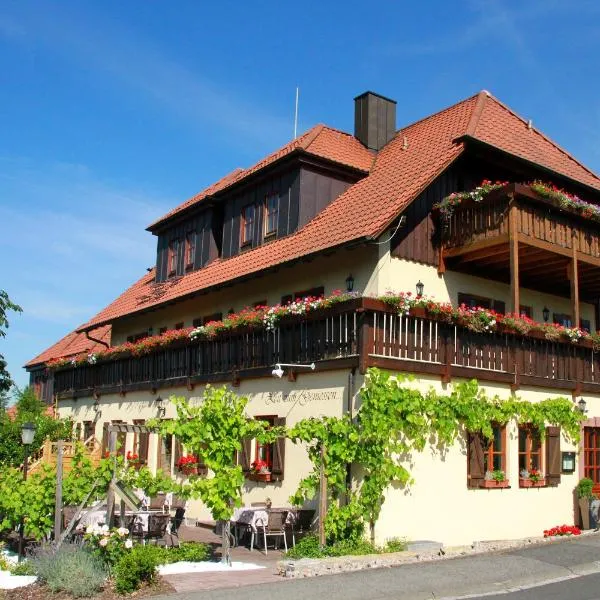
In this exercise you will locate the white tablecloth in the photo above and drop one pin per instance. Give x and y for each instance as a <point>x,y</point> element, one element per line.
<point>257,516</point>
<point>98,517</point>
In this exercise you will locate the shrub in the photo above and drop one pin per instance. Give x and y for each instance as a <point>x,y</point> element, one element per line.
<point>23,568</point>
<point>396,545</point>
<point>71,568</point>
<point>136,567</point>
<point>190,552</point>
<point>308,547</point>
<point>109,545</point>
<point>584,488</point>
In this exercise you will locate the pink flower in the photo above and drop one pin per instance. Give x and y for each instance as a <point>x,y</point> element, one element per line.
<point>103,542</point>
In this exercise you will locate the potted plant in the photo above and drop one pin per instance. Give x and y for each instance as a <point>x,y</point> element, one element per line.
<point>261,470</point>
<point>532,478</point>
<point>188,465</point>
<point>495,479</point>
<point>585,495</point>
<point>134,460</point>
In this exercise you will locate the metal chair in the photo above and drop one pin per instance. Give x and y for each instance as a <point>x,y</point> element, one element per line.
<point>157,528</point>
<point>276,527</point>
<point>176,522</point>
<point>304,520</point>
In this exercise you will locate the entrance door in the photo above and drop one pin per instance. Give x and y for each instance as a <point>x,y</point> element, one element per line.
<point>591,455</point>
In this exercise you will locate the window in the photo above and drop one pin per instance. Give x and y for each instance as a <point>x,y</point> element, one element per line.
<point>316,292</point>
<point>525,311</point>
<point>530,449</point>
<point>162,330</point>
<point>208,319</point>
<point>259,303</point>
<point>591,454</point>
<point>248,214</point>
<point>562,319</point>
<point>264,452</point>
<point>136,337</point>
<point>472,301</point>
<point>585,325</point>
<point>89,430</point>
<point>178,325</point>
<point>173,252</point>
<point>271,213</point>
<point>190,248</point>
<point>494,458</point>
<point>140,442</point>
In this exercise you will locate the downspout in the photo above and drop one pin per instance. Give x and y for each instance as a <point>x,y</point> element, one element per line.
<point>89,337</point>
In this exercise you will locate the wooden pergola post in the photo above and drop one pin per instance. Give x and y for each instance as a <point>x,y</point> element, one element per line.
<point>513,242</point>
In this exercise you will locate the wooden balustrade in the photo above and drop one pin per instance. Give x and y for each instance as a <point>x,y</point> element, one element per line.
<point>364,332</point>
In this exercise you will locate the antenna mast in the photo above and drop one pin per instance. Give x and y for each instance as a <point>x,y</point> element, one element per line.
<point>296,114</point>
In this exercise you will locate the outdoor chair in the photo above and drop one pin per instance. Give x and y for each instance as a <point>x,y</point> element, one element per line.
<point>157,528</point>
<point>158,502</point>
<point>176,523</point>
<point>304,521</point>
<point>276,527</point>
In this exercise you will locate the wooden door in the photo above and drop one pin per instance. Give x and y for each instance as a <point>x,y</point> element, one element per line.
<point>591,455</point>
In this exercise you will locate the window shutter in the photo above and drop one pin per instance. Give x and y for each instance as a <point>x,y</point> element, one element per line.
<point>278,466</point>
<point>475,464</point>
<point>553,466</point>
<point>104,438</point>
<point>177,451</point>
<point>202,468</point>
<point>244,456</point>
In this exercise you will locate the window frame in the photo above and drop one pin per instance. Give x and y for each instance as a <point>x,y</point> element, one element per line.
<point>527,452</point>
<point>190,249</point>
<point>172,259</point>
<point>247,225</point>
<point>490,452</point>
<point>270,214</point>
<point>473,301</point>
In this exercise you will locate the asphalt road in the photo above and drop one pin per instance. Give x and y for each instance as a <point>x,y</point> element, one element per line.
<point>562,563</point>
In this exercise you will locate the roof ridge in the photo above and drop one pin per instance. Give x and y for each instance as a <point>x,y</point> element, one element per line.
<point>311,135</point>
<point>482,96</point>
<point>543,135</point>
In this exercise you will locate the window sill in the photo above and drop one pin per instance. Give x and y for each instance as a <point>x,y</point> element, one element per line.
<point>494,485</point>
<point>272,235</point>
<point>527,483</point>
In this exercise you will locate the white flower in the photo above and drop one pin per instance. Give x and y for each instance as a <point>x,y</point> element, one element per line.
<point>128,544</point>
<point>104,529</point>
<point>123,531</point>
<point>90,529</point>
<point>103,542</point>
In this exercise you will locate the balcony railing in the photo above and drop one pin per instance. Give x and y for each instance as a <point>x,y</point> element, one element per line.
<point>358,333</point>
<point>420,345</point>
<point>319,336</point>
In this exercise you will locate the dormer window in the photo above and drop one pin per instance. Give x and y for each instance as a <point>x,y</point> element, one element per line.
<point>173,252</point>
<point>248,215</point>
<point>271,214</point>
<point>190,249</point>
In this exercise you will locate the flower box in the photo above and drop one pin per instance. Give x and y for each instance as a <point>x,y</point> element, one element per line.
<point>189,470</point>
<point>492,484</point>
<point>418,311</point>
<point>528,483</point>
<point>260,477</point>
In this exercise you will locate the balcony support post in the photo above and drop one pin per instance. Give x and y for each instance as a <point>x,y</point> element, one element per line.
<point>513,241</point>
<point>574,276</point>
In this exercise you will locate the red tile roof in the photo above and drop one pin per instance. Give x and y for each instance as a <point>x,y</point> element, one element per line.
<point>496,124</point>
<point>72,344</point>
<point>321,141</point>
<point>400,171</point>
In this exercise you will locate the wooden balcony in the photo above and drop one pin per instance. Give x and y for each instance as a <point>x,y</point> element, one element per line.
<point>354,334</point>
<point>520,238</point>
<point>325,336</point>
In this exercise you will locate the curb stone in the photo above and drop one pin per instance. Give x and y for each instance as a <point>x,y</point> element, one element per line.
<point>315,567</point>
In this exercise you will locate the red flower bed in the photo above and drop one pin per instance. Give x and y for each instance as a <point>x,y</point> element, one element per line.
<point>562,530</point>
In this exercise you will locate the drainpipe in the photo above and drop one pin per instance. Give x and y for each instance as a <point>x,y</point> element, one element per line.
<point>89,337</point>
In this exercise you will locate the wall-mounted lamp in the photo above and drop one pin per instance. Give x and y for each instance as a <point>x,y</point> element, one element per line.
<point>546,314</point>
<point>278,371</point>
<point>349,283</point>
<point>582,406</point>
<point>420,288</point>
<point>567,461</point>
<point>161,409</point>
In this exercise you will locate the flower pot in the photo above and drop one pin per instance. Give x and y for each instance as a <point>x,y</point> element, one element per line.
<point>493,484</point>
<point>418,311</point>
<point>189,470</point>
<point>536,334</point>
<point>584,509</point>
<point>260,476</point>
<point>529,483</point>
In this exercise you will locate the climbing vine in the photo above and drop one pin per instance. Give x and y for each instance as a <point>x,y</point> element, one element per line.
<point>393,421</point>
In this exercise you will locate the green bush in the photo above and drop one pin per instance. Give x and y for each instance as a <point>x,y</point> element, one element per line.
<point>584,488</point>
<point>308,547</point>
<point>23,568</point>
<point>136,567</point>
<point>396,545</point>
<point>190,552</point>
<point>71,569</point>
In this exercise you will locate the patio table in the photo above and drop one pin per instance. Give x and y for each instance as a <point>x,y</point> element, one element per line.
<point>251,517</point>
<point>98,517</point>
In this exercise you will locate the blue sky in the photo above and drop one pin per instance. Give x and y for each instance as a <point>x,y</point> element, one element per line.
<point>111,113</point>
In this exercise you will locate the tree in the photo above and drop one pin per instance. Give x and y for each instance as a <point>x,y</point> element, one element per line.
<point>215,430</point>
<point>6,305</point>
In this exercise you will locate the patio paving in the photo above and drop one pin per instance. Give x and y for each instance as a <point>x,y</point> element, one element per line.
<point>187,582</point>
